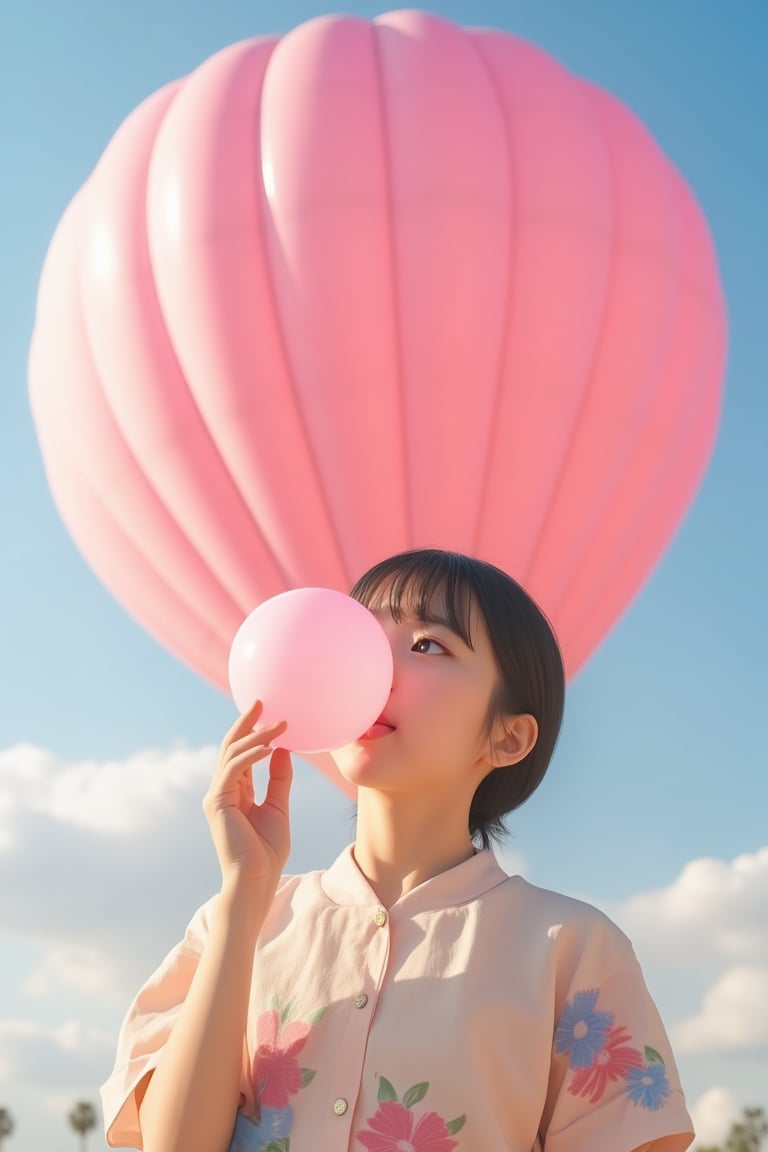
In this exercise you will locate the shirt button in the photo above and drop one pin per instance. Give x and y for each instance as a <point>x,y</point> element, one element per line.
<point>380,918</point>
<point>340,1106</point>
<point>361,1000</point>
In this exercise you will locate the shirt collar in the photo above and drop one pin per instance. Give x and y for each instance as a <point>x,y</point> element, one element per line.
<point>345,884</point>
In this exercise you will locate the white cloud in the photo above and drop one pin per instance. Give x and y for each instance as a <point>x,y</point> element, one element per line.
<point>716,911</point>
<point>67,1054</point>
<point>733,1016</point>
<point>65,969</point>
<point>704,941</point>
<point>108,798</point>
<point>97,899</point>
<point>713,1113</point>
<point>102,864</point>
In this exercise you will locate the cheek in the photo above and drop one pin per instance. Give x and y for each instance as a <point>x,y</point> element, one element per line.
<point>452,722</point>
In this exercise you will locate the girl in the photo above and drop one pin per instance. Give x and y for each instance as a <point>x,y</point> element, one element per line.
<point>413,997</point>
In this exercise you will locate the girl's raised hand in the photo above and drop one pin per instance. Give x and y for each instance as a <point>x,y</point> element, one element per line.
<point>252,840</point>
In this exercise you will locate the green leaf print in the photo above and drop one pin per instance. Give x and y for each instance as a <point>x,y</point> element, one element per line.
<point>307,1076</point>
<point>652,1056</point>
<point>316,1017</point>
<point>416,1093</point>
<point>287,1012</point>
<point>386,1091</point>
<point>283,1145</point>
<point>456,1125</point>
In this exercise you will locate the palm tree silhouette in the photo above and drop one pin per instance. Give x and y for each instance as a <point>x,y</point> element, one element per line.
<point>82,1118</point>
<point>6,1125</point>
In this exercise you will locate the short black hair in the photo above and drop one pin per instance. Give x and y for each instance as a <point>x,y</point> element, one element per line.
<point>528,658</point>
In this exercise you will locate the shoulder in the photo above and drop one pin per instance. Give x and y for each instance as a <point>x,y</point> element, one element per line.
<point>571,931</point>
<point>555,909</point>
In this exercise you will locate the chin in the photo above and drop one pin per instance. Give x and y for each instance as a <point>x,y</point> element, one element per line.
<point>357,766</point>
<point>345,759</point>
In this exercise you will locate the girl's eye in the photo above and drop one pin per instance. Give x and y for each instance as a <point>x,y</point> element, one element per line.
<point>423,646</point>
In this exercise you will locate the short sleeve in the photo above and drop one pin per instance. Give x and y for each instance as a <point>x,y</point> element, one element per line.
<point>146,1028</point>
<point>613,1082</point>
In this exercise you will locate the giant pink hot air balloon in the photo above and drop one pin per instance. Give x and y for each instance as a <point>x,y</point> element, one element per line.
<point>371,286</point>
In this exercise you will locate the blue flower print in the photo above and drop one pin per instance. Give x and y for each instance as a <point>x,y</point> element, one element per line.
<point>275,1124</point>
<point>648,1086</point>
<point>582,1032</point>
<point>245,1137</point>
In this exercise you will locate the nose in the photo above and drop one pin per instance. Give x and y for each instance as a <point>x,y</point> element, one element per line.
<point>394,666</point>
<point>391,634</point>
<point>398,642</point>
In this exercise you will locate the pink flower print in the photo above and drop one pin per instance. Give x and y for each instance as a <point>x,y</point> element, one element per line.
<point>392,1129</point>
<point>276,1070</point>
<point>612,1062</point>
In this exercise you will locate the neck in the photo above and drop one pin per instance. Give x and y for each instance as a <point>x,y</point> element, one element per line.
<point>400,844</point>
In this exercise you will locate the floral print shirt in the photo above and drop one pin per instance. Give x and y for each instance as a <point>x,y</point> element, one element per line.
<point>479,1013</point>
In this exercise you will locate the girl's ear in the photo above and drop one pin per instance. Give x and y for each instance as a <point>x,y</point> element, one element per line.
<point>516,739</point>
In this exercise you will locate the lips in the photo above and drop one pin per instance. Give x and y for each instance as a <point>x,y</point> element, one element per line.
<point>382,727</point>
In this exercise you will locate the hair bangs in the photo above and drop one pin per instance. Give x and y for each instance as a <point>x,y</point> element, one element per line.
<point>428,584</point>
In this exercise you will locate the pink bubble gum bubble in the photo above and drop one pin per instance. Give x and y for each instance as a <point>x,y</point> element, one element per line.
<point>317,659</point>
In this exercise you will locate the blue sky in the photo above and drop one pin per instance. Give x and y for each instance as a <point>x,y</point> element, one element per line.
<point>662,759</point>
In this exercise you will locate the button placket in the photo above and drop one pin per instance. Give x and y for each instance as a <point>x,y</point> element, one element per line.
<point>361,1008</point>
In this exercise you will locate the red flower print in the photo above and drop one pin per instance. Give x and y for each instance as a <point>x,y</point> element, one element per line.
<point>612,1062</point>
<point>276,1070</point>
<point>392,1130</point>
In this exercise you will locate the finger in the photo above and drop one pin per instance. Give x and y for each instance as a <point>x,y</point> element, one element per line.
<point>247,793</point>
<point>238,766</point>
<point>259,738</point>
<point>233,783</point>
<point>280,780</point>
<point>245,721</point>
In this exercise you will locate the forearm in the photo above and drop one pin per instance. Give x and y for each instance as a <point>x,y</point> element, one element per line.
<point>192,1097</point>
